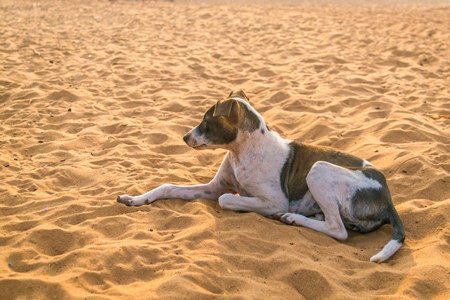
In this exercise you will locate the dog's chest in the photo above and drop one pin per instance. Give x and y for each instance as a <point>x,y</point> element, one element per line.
<point>258,175</point>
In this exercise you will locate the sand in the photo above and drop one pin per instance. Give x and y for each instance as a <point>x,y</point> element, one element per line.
<point>95,97</point>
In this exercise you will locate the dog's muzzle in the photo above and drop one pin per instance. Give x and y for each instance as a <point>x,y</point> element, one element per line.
<point>192,141</point>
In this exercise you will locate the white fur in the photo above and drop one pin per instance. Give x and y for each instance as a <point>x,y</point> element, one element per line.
<point>386,252</point>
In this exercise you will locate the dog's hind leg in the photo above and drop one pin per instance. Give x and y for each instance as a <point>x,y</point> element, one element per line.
<point>332,225</point>
<point>332,187</point>
<point>358,197</point>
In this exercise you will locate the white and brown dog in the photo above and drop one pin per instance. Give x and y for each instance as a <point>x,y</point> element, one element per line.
<point>316,187</point>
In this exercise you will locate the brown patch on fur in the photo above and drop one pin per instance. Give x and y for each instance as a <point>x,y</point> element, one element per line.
<point>300,161</point>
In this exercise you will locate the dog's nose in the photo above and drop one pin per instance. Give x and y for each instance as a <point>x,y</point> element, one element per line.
<point>186,138</point>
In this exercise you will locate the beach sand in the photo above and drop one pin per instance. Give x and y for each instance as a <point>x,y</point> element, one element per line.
<point>95,97</point>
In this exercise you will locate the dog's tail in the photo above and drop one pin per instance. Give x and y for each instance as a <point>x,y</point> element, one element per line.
<point>397,239</point>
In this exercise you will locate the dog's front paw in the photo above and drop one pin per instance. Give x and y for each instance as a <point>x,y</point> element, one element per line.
<point>286,218</point>
<point>125,199</point>
<point>277,216</point>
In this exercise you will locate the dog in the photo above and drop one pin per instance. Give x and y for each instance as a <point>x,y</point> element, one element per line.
<point>316,187</point>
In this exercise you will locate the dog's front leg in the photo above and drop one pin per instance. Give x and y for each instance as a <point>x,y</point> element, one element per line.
<point>210,191</point>
<point>263,207</point>
<point>219,185</point>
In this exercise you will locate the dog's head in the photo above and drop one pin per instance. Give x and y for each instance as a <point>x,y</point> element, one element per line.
<point>223,122</point>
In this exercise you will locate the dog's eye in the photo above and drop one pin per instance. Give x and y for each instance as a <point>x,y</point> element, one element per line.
<point>212,125</point>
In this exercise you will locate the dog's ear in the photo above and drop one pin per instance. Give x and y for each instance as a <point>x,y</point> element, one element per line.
<point>223,108</point>
<point>242,95</point>
<point>239,94</point>
<point>229,108</point>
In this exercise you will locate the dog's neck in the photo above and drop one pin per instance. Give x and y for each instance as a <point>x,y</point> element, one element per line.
<point>257,145</point>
